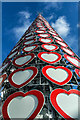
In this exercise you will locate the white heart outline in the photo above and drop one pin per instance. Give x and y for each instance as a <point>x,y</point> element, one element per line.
<point>35,71</point>
<point>60,43</point>
<point>36,46</point>
<point>56,47</point>
<point>50,40</point>
<point>34,92</point>
<point>53,80</point>
<point>41,35</point>
<point>33,40</point>
<point>66,56</point>
<point>53,97</point>
<point>63,48</point>
<point>32,57</point>
<point>54,53</point>
<point>42,31</point>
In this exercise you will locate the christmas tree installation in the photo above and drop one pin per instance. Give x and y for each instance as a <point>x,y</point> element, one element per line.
<point>39,79</point>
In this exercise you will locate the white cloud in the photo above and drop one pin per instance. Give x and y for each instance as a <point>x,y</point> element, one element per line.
<point>19,31</point>
<point>50,17</point>
<point>61,26</point>
<point>23,26</point>
<point>24,14</point>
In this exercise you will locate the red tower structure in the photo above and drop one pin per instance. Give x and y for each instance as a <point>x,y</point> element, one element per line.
<point>40,77</point>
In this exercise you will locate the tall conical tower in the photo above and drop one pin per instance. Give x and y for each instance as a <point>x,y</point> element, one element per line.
<point>40,77</point>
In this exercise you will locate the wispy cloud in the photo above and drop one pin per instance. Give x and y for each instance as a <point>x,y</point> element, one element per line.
<point>24,23</point>
<point>50,17</point>
<point>24,14</point>
<point>63,29</point>
<point>19,31</point>
<point>61,26</point>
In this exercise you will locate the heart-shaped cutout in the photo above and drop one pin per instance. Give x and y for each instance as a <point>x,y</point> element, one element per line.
<point>58,75</point>
<point>15,48</point>
<point>66,103</point>
<point>53,33</point>
<point>30,48</point>
<point>67,51</point>
<point>39,25</point>
<point>23,59</point>
<point>29,37</point>
<point>40,31</point>
<point>49,57</point>
<point>42,28</point>
<point>21,77</point>
<point>29,42</point>
<point>29,34</point>
<point>61,43</point>
<point>77,71</point>
<point>73,60</point>
<point>3,67</point>
<point>12,54</point>
<point>47,24</point>
<point>58,38</point>
<point>44,35</point>
<point>2,78</point>
<point>45,40</point>
<point>51,47</point>
<point>51,30</point>
<point>23,105</point>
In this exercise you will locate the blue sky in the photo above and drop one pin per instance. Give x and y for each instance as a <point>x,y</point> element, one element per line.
<point>18,16</point>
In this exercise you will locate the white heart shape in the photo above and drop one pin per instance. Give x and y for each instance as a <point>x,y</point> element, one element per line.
<point>39,31</point>
<point>69,104</point>
<point>29,37</point>
<point>45,40</point>
<point>58,38</point>
<point>10,56</point>
<point>49,57</point>
<point>28,42</point>
<point>21,76</point>
<point>68,51</point>
<point>74,61</point>
<point>40,26</point>
<point>43,35</point>
<point>3,67</point>
<point>57,74</point>
<point>29,48</point>
<point>42,29</point>
<point>23,60</point>
<point>15,48</point>
<point>50,47</point>
<point>22,107</point>
<point>52,33</point>
<point>28,34</point>
<point>61,43</point>
<point>38,23</point>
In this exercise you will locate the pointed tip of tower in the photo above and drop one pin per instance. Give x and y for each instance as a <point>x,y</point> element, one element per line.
<point>39,15</point>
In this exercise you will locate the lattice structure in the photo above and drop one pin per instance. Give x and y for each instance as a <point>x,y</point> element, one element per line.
<point>40,46</point>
